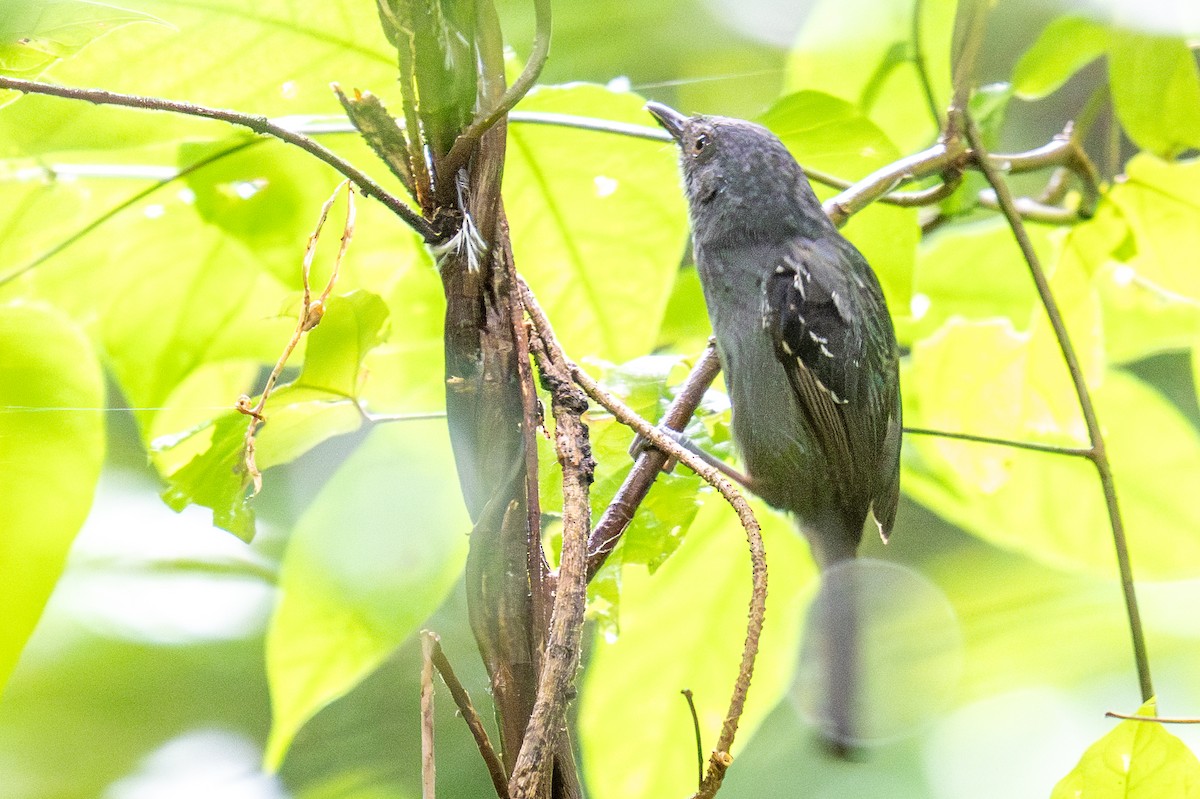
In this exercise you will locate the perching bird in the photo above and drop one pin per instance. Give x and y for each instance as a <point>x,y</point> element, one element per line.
<point>803,333</point>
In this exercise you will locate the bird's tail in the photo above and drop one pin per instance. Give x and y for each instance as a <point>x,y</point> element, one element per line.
<point>839,618</point>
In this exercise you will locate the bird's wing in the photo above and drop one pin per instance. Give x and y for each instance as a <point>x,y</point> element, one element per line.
<point>826,314</point>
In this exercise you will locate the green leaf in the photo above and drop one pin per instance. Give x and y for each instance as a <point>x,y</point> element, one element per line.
<point>1156,91</point>
<point>1144,237</point>
<point>321,404</point>
<point>683,627</point>
<point>373,556</point>
<point>831,135</point>
<point>270,57</point>
<point>351,326</point>
<point>1015,498</point>
<point>36,34</point>
<point>975,271</point>
<point>862,51</point>
<point>598,221</point>
<point>1065,46</point>
<point>1136,760</point>
<point>216,478</point>
<point>51,398</point>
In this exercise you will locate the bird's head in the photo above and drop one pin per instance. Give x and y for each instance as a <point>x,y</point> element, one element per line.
<point>738,175</point>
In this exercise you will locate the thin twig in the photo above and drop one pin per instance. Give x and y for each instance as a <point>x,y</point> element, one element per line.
<point>1099,455</point>
<point>1081,452</point>
<point>944,158</point>
<point>463,700</point>
<point>465,143</point>
<point>687,695</point>
<point>428,764</point>
<point>311,313</point>
<point>721,758</point>
<point>534,765</point>
<point>259,124</point>
<point>539,588</point>
<point>922,70</point>
<point>1112,714</point>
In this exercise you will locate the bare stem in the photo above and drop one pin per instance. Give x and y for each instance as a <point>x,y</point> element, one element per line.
<point>428,764</point>
<point>70,239</point>
<point>721,758</point>
<point>258,124</point>
<point>1001,442</point>
<point>1099,455</point>
<point>935,112</point>
<point>311,313</point>
<point>463,700</point>
<point>1112,714</point>
<point>687,695</point>
<point>547,722</point>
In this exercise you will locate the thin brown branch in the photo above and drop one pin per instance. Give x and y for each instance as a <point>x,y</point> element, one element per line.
<point>1079,452</point>
<point>935,111</point>
<point>1099,454</point>
<point>649,464</point>
<point>1033,211</point>
<point>687,695</point>
<point>720,759</point>
<point>970,24</point>
<point>1112,714</point>
<point>428,764</point>
<point>539,584</point>
<point>259,124</point>
<point>311,313</point>
<point>945,158</point>
<point>467,710</point>
<point>464,145</point>
<point>547,723</point>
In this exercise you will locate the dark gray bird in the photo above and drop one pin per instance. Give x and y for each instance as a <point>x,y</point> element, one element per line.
<point>803,333</point>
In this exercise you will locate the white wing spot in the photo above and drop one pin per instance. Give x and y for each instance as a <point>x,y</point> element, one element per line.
<point>825,351</point>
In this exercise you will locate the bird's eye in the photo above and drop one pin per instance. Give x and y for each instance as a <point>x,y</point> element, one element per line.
<point>701,142</point>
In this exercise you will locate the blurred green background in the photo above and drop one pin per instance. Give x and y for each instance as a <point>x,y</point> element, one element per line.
<point>146,675</point>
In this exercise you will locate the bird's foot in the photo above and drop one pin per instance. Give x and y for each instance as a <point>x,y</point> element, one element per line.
<point>642,444</point>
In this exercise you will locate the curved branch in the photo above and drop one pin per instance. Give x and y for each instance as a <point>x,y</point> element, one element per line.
<point>945,158</point>
<point>1112,714</point>
<point>720,759</point>
<point>1099,454</point>
<point>259,124</point>
<point>532,772</point>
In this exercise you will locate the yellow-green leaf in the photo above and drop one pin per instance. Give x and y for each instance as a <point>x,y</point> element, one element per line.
<point>1065,46</point>
<point>371,558</point>
<point>52,430</point>
<point>598,221</point>
<point>1137,760</point>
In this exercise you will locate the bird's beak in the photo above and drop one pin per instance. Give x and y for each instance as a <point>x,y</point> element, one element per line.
<point>669,118</point>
